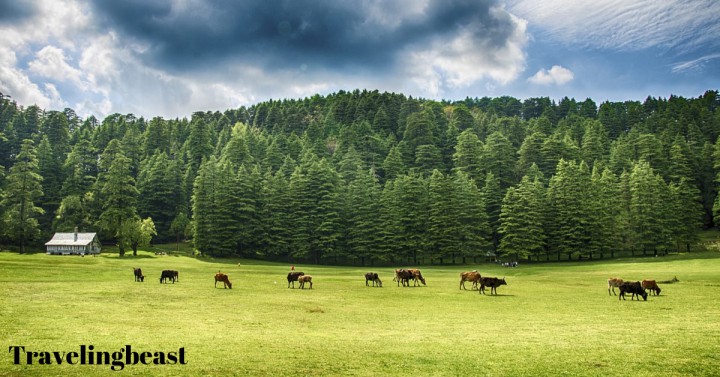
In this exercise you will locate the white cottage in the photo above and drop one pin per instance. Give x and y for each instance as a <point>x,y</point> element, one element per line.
<point>73,243</point>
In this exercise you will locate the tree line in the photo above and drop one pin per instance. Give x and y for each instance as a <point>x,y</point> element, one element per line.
<point>365,177</point>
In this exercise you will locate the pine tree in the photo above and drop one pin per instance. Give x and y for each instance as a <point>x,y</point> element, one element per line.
<point>412,201</point>
<point>393,165</point>
<point>155,137</point>
<point>679,165</point>
<point>568,203</point>
<point>362,200</point>
<point>160,192</point>
<point>529,153</point>
<point>23,189</point>
<point>593,143</point>
<point>390,234</point>
<point>205,207</point>
<point>686,213</point>
<point>443,226</point>
<point>468,154</point>
<point>275,215</point>
<point>499,158</point>
<point>521,220</point>
<point>428,158</point>
<point>51,169</point>
<point>649,210</point>
<point>474,232</point>
<point>493,195</point>
<point>118,196</point>
<point>604,213</point>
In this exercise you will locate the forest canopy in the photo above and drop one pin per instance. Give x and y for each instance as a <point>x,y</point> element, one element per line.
<point>364,177</point>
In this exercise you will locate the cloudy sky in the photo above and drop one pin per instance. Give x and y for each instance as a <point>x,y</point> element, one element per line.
<point>173,57</point>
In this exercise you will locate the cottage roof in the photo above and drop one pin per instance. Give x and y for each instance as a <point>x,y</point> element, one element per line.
<point>69,239</point>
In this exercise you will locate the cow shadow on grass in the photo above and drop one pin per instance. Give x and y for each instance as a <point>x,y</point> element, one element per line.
<point>498,295</point>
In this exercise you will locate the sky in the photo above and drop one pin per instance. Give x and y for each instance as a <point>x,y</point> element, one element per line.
<point>171,58</point>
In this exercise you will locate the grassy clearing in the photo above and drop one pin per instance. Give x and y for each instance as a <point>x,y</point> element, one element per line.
<point>551,318</point>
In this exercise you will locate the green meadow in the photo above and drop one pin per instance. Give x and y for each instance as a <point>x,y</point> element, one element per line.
<point>551,319</point>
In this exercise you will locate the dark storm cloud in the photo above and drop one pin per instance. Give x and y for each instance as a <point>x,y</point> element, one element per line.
<point>279,34</point>
<point>12,11</point>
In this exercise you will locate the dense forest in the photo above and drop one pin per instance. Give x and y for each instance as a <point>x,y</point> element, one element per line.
<point>368,177</point>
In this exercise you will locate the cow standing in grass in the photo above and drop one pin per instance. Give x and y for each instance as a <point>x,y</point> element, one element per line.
<point>416,276</point>
<point>374,277</point>
<point>224,279</point>
<point>652,286</point>
<point>168,275</point>
<point>471,276</point>
<point>293,276</point>
<point>138,275</point>
<point>493,283</point>
<point>632,287</point>
<point>612,284</point>
<point>305,279</point>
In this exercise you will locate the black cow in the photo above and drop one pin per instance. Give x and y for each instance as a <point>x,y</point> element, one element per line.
<point>293,277</point>
<point>633,287</point>
<point>138,274</point>
<point>168,274</point>
<point>403,276</point>
<point>373,276</point>
<point>493,283</point>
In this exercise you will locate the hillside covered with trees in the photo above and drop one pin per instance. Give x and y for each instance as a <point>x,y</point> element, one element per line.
<point>364,177</point>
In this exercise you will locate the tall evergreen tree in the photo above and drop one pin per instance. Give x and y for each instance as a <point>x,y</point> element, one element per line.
<point>118,196</point>
<point>499,158</point>
<point>23,189</point>
<point>569,207</point>
<point>521,220</point>
<point>468,154</point>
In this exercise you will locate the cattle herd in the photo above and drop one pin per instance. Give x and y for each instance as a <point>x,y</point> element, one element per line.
<point>635,288</point>
<point>405,276</point>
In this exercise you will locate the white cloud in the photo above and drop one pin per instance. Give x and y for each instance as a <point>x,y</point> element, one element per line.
<point>51,63</point>
<point>467,59</point>
<point>556,75</point>
<point>16,83</point>
<point>621,24</point>
<point>694,64</point>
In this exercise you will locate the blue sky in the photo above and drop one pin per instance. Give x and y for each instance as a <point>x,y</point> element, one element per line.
<point>173,57</point>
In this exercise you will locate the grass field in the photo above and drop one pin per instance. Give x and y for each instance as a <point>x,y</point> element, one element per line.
<point>551,319</point>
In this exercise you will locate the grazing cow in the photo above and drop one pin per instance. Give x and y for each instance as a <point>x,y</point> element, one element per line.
<point>293,277</point>
<point>416,275</point>
<point>402,276</point>
<point>652,286</point>
<point>633,287</point>
<point>493,283</point>
<point>472,276</point>
<point>305,279</point>
<point>373,276</point>
<point>224,279</point>
<point>138,274</point>
<point>612,284</point>
<point>168,274</point>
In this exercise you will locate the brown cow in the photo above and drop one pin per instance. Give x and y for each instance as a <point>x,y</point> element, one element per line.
<point>293,276</point>
<point>612,284</point>
<point>493,283</point>
<point>472,276</point>
<point>403,276</point>
<point>374,277</point>
<point>224,279</point>
<point>416,275</point>
<point>652,286</point>
<point>305,279</point>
